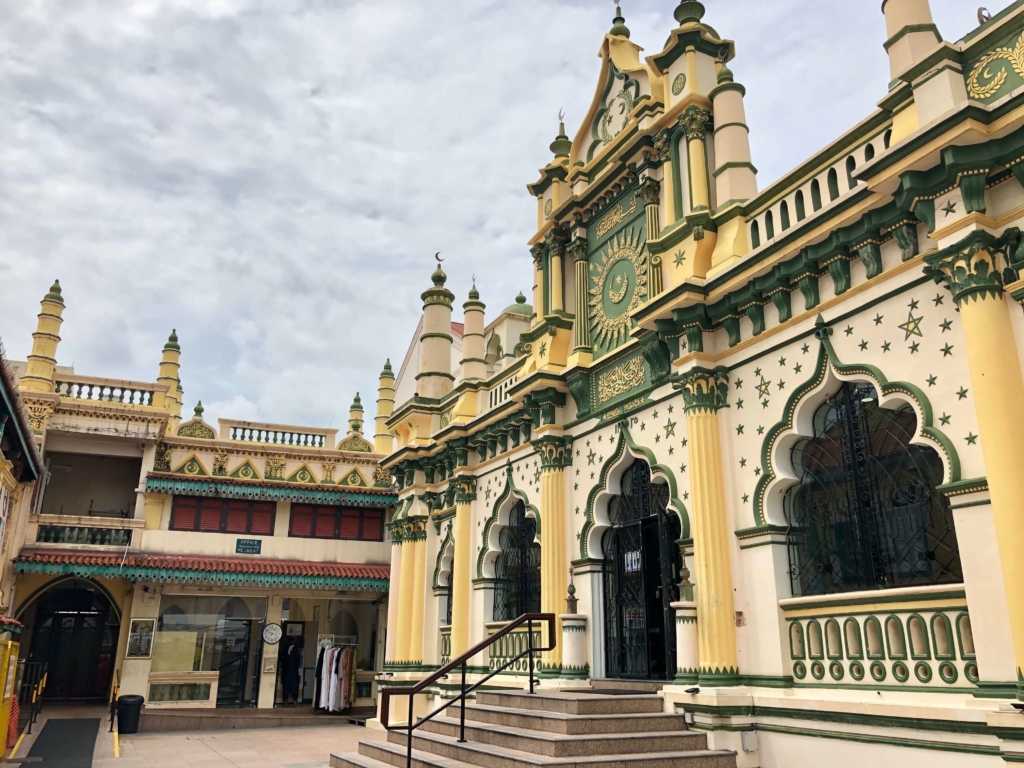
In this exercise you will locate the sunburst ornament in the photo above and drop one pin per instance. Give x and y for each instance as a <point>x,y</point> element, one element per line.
<point>618,285</point>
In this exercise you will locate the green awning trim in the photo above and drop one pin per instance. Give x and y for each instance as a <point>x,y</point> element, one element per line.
<point>186,576</point>
<point>253,492</point>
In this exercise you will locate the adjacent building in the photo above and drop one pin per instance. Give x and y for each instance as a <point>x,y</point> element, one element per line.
<point>182,560</point>
<point>757,444</point>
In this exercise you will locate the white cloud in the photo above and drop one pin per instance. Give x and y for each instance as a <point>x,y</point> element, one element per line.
<point>271,178</point>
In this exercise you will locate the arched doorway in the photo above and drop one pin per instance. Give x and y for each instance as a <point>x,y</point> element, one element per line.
<point>517,568</point>
<point>74,626</point>
<point>865,512</point>
<point>641,577</point>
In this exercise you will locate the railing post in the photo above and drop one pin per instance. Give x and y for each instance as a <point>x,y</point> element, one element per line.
<point>462,710</point>
<point>529,636</point>
<point>408,738</point>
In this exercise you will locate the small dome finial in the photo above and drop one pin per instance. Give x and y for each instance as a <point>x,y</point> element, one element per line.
<point>54,292</point>
<point>439,277</point>
<point>689,11</point>
<point>387,368</point>
<point>474,294</point>
<point>619,27</point>
<point>198,410</point>
<point>520,298</point>
<point>172,341</point>
<point>561,146</point>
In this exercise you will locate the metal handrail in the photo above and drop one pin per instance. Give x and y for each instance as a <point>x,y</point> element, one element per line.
<point>411,725</point>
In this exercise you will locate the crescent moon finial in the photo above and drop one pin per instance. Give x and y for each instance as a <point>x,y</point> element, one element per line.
<point>437,256</point>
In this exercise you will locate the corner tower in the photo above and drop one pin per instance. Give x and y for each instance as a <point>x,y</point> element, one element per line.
<point>435,378</point>
<point>42,362</point>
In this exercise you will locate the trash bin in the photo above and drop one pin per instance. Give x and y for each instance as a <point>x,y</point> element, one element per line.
<point>129,711</point>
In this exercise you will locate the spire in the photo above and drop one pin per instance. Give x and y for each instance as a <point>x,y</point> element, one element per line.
<point>170,375</point>
<point>197,412</point>
<point>355,416</point>
<point>689,12</point>
<point>561,146</point>
<point>172,341</point>
<point>619,27</point>
<point>386,371</point>
<point>474,294</point>
<point>54,294</point>
<point>42,361</point>
<point>382,441</point>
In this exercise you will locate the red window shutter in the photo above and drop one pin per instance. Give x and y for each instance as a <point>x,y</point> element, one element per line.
<point>209,514</point>
<point>349,523</point>
<point>301,523</point>
<point>262,519</point>
<point>237,517</point>
<point>326,523</point>
<point>373,525</point>
<point>183,513</point>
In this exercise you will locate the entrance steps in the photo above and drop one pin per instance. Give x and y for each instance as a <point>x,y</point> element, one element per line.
<point>551,729</point>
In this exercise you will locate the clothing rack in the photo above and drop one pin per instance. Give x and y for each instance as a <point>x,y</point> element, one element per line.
<point>326,640</point>
<point>328,644</point>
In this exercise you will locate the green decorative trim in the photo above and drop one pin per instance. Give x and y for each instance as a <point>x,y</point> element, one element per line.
<point>555,452</point>
<point>626,443</point>
<point>216,489</point>
<point>509,492</point>
<point>447,541</point>
<point>827,358</point>
<point>704,389</point>
<point>189,576</point>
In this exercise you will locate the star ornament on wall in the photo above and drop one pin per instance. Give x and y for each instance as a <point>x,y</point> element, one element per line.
<point>912,327</point>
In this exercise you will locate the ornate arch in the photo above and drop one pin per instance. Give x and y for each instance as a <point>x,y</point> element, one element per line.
<point>622,457</point>
<point>445,555</point>
<point>498,520</point>
<point>777,473</point>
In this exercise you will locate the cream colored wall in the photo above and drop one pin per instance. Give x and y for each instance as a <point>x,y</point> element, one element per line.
<point>280,546</point>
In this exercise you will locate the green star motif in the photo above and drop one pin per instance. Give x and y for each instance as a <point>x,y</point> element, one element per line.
<point>848,330</point>
<point>863,345</point>
<point>782,362</point>
<point>682,468</point>
<point>685,441</point>
<point>879,319</point>
<point>932,380</point>
<point>764,403</point>
<point>947,350</point>
<point>544,348</point>
<point>739,429</point>
<point>886,346</point>
<point>939,298</point>
<point>746,498</point>
<point>944,419</point>
<point>739,383</point>
<point>971,438</point>
<point>757,471</point>
<point>805,348</point>
<point>670,428</point>
<point>912,327</point>
<point>743,462</point>
<point>760,430</point>
<point>914,347</point>
<point>914,304</point>
<point>949,208</point>
<point>797,368</point>
<point>782,384</point>
<point>961,394</point>
<point>764,387</point>
<point>946,325</point>
<point>739,404</point>
<point>680,258</point>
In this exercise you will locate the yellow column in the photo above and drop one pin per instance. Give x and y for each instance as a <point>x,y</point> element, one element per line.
<point>704,393</point>
<point>394,597</point>
<point>695,122</point>
<point>555,456</point>
<point>462,562</point>
<point>581,327</point>
<point>538,283</point>
<point>998,391</point>
<point>418,584</point>
<point>556,274</point>
<point>404,645</point>
<point>42,362</point>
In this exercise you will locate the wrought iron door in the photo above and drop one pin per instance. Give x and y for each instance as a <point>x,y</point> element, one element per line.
<point>640,579</point>
<point>865,513</point>
<point>517,569</point>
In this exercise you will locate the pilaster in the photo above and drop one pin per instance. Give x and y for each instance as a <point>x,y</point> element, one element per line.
<point>555,453</point>
<point>462,559</point>
<point>695,122</point>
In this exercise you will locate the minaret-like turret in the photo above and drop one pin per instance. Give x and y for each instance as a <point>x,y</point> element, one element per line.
<point>735,177</point>
<point>42,362</point>
<point>435,378</point>
<point>355,416</point>
<point>474,364</point>
<point>910,33</point>
<point>382,439</point>
<point>170,374</point>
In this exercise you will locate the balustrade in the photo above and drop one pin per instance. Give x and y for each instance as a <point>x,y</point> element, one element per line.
<point>277,437</point>
<point>91,535</point>
<point>106,391</point>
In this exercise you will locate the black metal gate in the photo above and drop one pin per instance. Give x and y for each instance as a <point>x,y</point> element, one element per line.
<point>517,569</point>
<point>641,577</point>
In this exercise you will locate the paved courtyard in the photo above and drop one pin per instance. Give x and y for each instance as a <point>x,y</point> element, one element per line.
<point>301,747</point>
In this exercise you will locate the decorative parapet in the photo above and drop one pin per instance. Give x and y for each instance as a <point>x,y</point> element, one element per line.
<point>109,391</point>
<point>276,434</point>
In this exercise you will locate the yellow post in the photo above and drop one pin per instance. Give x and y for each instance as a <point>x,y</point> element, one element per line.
<point>704,393</point>
<point>394,596</point>
<point>555,455</point>
<point>695,122</point>
<point>538,283</point>
<point>971,272</point>
<point>462,560</point>
<point>42,362</point>
<point>8,686</point>
<point>418,537</point>
<point>405,602</point>
<point>557,288</point>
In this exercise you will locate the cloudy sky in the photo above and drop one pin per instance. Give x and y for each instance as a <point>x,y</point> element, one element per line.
<point>271,177</point>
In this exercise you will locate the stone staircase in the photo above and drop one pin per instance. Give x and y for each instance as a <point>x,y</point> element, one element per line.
<point>556,729</point>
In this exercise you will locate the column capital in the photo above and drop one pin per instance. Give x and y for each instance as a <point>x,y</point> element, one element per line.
<point>661,150</point>
<point>555,451</point>
<point>538,251</point>
<point>650,191</point>
<point>577,249</point>
<point>695,122</point>
<point>979,266</point>
<point>408,529</point>
<point>465,489</point>
<point>704,389</point>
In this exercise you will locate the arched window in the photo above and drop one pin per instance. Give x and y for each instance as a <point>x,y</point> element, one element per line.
<point>517,569</point>
<point>755,234</point>
<point>854,647</point>
<point>833,184</point>
<point>887,139</point>
<point>769,226</point>
<point>796,641</point>
<point>865,512</point>
<point>869,152</point>
<point>942,632</point>
<point>816,195</point>
<point>851,164</point>
<point>801,210</point>
<point>784,215</point>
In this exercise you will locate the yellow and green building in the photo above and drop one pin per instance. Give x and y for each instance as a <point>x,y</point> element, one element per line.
<point>757,447</point>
